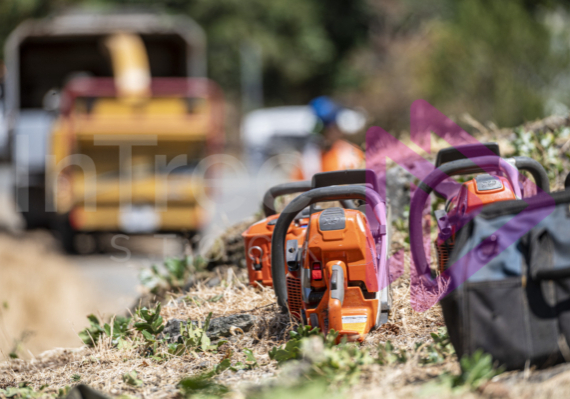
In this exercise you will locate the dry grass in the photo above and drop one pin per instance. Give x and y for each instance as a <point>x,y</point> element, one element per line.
<point>103,367</point>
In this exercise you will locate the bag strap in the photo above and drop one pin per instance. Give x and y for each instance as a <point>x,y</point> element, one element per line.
<point>552,274</point>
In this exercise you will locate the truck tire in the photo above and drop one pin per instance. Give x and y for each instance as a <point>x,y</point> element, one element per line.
<point>65,233</point>
<point>33,198</point>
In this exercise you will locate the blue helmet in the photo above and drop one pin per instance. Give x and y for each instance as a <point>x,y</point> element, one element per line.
<point>325,109</point>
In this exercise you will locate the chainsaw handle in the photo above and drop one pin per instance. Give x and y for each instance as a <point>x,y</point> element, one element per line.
<point>282,189</point>
<point>536,170</point>
<point>349,176</point>
<point>271,195</point>
<point>461,167</point>
<point>334,193</point>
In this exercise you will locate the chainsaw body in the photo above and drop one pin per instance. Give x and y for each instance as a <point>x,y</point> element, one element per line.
<point>257,241</point>
<point>336,279</point>
<point>257,238</point>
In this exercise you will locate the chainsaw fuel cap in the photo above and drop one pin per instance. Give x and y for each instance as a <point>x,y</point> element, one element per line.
<point>332,219</point>
<point>487,182</point>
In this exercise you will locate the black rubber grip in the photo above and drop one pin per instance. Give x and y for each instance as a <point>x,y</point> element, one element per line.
<point>340,177</point>
<point>536,170</point>
<point>282,189</point>
<point>466,151</point>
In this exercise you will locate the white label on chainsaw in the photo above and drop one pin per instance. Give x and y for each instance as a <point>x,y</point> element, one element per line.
<point>354,319</point>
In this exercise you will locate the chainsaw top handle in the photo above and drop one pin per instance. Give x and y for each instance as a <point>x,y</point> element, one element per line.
<point>323,179</point>
<point>460,167</point>
<point>350,176</point>
<point>282,189</point>
<point>334,193</point>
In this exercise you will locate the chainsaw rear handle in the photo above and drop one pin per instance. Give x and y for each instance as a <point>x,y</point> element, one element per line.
<point>334,193</point>
<point>454,168</point>
<point>282,189</point>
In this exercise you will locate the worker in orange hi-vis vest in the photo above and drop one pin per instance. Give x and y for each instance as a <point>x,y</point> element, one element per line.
<point>327,150</point>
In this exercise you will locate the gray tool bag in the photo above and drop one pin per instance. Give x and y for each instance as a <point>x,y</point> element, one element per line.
<point>517,306</point>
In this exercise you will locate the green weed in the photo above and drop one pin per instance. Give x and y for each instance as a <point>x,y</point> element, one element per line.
<point>132,379</point>
<point>118,331</point>
<point>438,351</point>
<point>201,387</point>
<point>151,322</point>
<point>172,276</point>
<point>250,362</point>
<point>387,354</point>
<point>23,391</point>
<point>90,335</point>
<point>543,148</point>
<point>292,349</point>
<point>194,338</point>
<point>476,370</point>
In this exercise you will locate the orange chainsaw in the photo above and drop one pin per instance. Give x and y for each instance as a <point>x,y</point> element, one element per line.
<point>497,179</point>
<point>336,277</point>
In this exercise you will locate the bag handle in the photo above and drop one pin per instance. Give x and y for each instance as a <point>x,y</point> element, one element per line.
<point>552,274</point>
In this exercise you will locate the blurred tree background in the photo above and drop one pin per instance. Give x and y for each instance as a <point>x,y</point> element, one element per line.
<point>503,62</point>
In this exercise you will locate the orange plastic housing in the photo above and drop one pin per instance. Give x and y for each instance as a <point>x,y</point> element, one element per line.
<point>259,235</point>
<point>353,250</point>
<point>353,245</point>
<point>467,200</point>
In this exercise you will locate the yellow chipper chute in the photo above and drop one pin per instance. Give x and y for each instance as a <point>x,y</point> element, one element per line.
<point>130,67</point>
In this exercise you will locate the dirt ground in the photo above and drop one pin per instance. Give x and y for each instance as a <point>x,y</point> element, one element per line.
<point>104,366</point>
<point>43,300</point>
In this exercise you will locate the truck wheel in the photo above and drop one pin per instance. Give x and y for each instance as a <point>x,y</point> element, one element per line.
<point>35,217</point>
<point>65,233</point>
